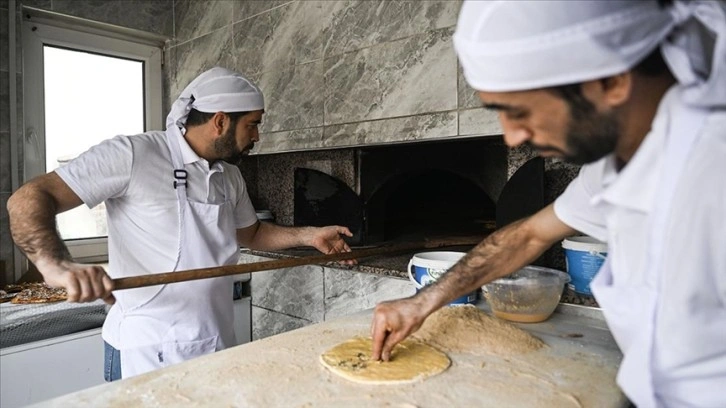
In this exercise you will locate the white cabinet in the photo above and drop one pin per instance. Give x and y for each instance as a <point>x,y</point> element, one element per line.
<point>45,369</point>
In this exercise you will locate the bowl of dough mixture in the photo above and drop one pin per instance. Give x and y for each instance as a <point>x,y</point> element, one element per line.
<point>529,295</point>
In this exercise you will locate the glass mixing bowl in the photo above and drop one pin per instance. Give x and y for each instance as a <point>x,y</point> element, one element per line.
<point>529,295</point>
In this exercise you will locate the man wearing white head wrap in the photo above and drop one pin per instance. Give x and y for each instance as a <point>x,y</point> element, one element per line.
<point>636,91</point>
<point>173,203</point>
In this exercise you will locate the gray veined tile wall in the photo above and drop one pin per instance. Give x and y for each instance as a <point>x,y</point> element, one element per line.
<point>405,77</point>
<point>293,97</point>
<point>480,122</point>
<point>246,9</point>
<point>296,292</point>
<point>194,18</point>
<point>287,35</point>
<point>348,292</point>
<point>266,323</point>
<point>198,55</point>
<point>154,16</point>
<point>392,130</point>
<point>362,24</point>
<point>291,140</point>
<point>467,96</point>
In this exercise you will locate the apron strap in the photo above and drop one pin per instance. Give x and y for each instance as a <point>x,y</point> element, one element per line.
<point>173,134</point>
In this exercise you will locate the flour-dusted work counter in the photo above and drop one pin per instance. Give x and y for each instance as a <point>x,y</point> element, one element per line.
<point>576,369</point>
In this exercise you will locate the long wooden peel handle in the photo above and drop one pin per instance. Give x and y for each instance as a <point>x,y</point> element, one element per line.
<point>141,281</point>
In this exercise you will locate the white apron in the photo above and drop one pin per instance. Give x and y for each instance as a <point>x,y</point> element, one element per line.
<point>631,309</point>
<point>176,322</point>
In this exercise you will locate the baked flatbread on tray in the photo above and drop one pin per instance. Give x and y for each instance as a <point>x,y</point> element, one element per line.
<point>30,293</point>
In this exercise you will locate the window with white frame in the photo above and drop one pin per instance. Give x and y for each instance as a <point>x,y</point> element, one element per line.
<point>84,82</point>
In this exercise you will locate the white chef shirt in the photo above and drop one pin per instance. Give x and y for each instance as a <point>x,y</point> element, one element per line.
<point>134,176</point>
<point>689,350</point>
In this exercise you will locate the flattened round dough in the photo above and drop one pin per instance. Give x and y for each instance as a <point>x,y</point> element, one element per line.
<point>411,360</point>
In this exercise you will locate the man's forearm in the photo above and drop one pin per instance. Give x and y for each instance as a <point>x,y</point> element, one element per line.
<point>500,254</point>
<point>32,225</point>
<point>272,237</point>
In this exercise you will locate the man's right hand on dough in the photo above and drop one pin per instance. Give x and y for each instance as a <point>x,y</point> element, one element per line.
<point>392,322</point>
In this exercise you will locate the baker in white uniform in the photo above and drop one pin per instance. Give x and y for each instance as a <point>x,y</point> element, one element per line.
<point>173,204</point>
<point>635,91</point>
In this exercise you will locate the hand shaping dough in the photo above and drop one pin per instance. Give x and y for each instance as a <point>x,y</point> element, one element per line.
<point>411,360</point>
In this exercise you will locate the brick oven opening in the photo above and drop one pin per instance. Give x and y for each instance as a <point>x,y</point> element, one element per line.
<point>409,191</point>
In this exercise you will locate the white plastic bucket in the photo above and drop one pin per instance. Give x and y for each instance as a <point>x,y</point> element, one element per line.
<point>426,267</point>
<point>583,256</point>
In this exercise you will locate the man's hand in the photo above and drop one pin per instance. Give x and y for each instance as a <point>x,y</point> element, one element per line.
<point>84,283</point>
<point>329,240</point>
<point>392,322</point>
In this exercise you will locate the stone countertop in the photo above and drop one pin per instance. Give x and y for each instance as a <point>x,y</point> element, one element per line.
<point>397,266</point>
<point>576,369</point>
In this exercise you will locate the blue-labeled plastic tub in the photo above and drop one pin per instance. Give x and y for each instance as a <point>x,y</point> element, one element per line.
<point>426,267</point>
<point>583,256</point>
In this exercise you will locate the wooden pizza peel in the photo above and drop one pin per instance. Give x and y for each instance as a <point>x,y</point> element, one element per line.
<point>227,270</point>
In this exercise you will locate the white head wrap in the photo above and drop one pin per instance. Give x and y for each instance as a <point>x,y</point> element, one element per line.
<point>521,45</point>
<point>215,90</point>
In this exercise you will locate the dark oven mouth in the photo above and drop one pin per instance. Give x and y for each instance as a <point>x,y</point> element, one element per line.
<point>415,192</point>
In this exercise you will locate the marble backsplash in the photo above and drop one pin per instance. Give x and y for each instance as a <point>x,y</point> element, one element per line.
<point>325,292</point>
<point>335,74</point>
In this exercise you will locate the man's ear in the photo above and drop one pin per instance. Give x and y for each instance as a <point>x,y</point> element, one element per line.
<point>218,121</point>
<point>616,89</point>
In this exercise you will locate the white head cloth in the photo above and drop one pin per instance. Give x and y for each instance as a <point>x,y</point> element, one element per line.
<point>522,45</point>
<point>215,90</point>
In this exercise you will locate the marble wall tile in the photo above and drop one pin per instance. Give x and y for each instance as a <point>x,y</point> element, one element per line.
<point>348,292</point>
<point>6,242</point>
<point>266,323</point>
<point>245,257</point>
<point>244,9</point>
<point>297,292</point>
<point>5,165</point>
<point>290,141</point>
<point>479,122</point>
<point>409,128</point>
<point>287,35</point>
<point>41,4</point>
<point>400,78</point>
<point>194,18</point>
<point>196,56</point>
<point>4,102</point>
<point>276,177</point>
<point>4,40</point>
<point>155,16</point>
<point>468,97</point>
<point>361,24</point>
<point>293,97</point>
